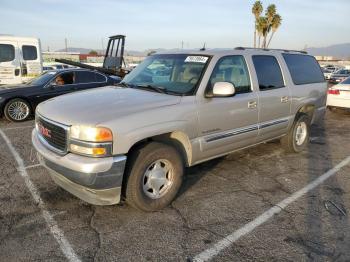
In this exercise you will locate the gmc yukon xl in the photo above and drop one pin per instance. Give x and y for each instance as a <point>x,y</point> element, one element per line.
<point>175,110</point>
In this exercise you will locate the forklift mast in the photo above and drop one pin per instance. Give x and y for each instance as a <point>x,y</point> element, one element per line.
<point>113,60</point>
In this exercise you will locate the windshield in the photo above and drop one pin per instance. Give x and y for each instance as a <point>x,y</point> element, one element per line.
<point>42,79</point>
<point>175,73</point>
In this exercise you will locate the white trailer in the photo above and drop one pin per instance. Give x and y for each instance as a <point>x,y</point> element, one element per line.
<point>20,59</point>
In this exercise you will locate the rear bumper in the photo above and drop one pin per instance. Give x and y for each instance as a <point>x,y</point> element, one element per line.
<point>97,181</point>
<point>333,100</point>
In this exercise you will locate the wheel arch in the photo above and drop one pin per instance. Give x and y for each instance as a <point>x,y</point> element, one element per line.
<point>307,109</point>
<point>177,139</point>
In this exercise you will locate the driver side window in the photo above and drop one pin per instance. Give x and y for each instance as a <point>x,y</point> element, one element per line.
<point>232,69</point>
<point>64,79</point>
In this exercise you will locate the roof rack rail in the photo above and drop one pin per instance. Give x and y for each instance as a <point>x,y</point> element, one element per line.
<point>270,49</point>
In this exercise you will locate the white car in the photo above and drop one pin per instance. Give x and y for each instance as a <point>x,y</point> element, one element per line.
<point>339,95</point>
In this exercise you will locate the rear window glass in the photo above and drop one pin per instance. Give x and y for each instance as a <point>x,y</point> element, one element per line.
<point>29,52</point>
<point>268,72</point>
<point>100,78</point>
<point>85,77</point>
<point>7,53</point>
<point>304,69</point>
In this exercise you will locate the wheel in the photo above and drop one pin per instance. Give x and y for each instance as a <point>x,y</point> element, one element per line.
<point>298,136</point>
<point>17,110</point>
<point>154,176</point>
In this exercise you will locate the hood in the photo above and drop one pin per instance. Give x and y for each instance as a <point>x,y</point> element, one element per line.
<point>104,104</point>
<point>13,88</point>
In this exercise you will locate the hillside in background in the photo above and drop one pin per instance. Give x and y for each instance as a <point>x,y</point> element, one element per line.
<point>87,50</point>
<point>340,51</point>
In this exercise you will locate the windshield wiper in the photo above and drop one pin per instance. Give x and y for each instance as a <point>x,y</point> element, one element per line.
<point>158,89</point>
<point>123,84</point>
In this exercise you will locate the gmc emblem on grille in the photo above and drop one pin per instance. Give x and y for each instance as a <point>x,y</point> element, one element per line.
<point>44,131</point>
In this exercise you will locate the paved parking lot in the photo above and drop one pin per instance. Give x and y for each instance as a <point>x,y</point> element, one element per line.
<point>39,221</point>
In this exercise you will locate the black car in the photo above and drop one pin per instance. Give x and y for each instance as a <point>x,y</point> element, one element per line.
<point>18,102</point>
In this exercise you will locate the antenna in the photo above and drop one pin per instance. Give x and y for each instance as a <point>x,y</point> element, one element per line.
<point>203,48</point>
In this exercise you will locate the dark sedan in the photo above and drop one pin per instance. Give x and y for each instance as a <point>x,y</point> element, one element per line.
<point>18,102</point>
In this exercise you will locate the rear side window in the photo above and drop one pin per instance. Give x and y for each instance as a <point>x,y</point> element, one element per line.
<point>304,69</point>
<point>85,77</point>
<point>268,72</point>
<point>7,53</point>
<point>232,69</point>
<point>29,52</point>
<point>100,78</point>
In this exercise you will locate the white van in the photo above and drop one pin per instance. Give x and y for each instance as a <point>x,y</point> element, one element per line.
<point>20,59</point>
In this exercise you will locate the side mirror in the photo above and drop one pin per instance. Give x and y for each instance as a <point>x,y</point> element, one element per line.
<point>223,89</point>
<point>51,85</point>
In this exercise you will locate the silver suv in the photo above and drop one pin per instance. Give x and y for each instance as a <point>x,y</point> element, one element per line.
<point>176,110</point>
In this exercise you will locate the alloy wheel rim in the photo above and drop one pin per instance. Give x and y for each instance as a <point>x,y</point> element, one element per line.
<point>158,179</point>
<point>18,110</point>
<point>301,133</point>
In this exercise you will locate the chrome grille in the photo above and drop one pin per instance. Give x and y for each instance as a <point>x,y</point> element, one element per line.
<point>54,134</point>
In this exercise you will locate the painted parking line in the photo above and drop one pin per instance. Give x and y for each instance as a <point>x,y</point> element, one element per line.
<point>50,221</point>
<point>249,227</point>
<point>32,166</point>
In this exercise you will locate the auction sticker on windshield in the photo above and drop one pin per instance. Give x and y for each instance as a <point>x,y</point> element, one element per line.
<point>196,59</point>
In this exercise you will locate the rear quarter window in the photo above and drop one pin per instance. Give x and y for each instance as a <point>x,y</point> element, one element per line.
<point>304,69</point>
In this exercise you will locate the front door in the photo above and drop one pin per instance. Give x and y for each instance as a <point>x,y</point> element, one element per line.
<point>228,123</point>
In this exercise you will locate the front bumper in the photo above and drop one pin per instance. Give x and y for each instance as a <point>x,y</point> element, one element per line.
<point>97,181</point>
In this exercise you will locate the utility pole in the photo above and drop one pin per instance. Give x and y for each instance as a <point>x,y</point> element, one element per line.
<point>66,45</point>
<point>103,46</point>
<point>182,44</point>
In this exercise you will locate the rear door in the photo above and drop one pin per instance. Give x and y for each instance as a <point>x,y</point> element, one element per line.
<point>86,80</point>
<point>30,59</point>
<point>9,63</point>
<point>274,97</point>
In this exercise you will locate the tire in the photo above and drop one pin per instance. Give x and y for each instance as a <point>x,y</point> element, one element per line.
<point>17,110</point>
<point>331,108</point>
<point>150,164</point>
<point>298,136</point>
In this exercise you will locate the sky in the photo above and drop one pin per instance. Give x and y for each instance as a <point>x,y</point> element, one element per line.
<point>152,24</point>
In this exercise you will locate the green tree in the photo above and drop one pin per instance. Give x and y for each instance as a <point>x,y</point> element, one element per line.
<point>264,25</point>
<point>256,10</point>
<point>276,23</point>
<point>93,52</point>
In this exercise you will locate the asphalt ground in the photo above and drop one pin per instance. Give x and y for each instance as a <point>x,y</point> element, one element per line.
<point>217,198</point>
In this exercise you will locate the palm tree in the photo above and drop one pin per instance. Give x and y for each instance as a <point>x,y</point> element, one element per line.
<point>256,10</point>
<point>270,14</point>
<point>276,23</point>
<point>261,28</point>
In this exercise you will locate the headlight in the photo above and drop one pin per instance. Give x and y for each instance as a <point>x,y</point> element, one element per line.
<point>91,134</point>
<point>91,141</point>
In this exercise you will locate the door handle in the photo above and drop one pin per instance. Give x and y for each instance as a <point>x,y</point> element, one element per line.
<point>252,104</point>
<point>284,99</point>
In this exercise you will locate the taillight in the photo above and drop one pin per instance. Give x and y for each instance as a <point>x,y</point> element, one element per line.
<point>333,91</point>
